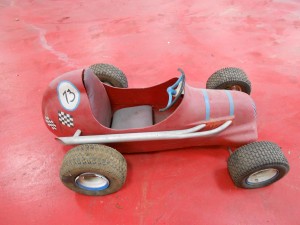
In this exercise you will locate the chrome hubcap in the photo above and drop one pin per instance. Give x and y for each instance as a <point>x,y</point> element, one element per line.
<point>262,176</point>
<point>92,181</point>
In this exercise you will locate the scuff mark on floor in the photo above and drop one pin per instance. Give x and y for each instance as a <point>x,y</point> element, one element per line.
<point>44,43</point>
<point>143,203</point>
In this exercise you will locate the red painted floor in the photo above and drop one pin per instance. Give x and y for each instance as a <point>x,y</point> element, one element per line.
<point>149,40</point>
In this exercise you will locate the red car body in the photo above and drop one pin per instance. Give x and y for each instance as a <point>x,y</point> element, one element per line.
<point>196,106</point>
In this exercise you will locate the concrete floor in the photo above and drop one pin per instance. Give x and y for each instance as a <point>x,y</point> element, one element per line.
<point>149,40</point>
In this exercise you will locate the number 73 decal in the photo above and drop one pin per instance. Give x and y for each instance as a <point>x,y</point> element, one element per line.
<point>68,95</point>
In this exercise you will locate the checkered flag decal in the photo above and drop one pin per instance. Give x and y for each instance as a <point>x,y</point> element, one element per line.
<point>50,123</point>
<point>65,119</point>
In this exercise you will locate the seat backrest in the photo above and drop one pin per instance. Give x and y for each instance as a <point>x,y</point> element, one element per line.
<point>98,98</point>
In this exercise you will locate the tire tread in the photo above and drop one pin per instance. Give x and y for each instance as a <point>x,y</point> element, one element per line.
<point>91,158</point>
<point>229,75</point>
<point>111,74</point>
<point>252,157</point>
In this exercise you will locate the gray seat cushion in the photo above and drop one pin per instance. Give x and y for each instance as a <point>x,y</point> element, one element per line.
<point>132,117</point>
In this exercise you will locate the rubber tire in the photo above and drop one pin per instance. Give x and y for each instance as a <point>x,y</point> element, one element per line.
<point>94,158</point>
<point>110,74</point>
<point>254,157</point>
<point>228,77</point>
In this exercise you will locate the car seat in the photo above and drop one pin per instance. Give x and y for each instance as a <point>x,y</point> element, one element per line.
<point>125,118</point>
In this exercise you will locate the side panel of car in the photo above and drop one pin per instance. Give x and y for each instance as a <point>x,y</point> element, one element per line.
<point>66,108</point>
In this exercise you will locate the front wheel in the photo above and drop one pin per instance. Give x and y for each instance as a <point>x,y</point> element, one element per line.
<point>257,165</point>
<point>93,169</point>
<point>230,79</point>
<point>110,75</point>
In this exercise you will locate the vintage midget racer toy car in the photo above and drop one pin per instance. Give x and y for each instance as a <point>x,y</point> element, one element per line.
<point>94,109</point>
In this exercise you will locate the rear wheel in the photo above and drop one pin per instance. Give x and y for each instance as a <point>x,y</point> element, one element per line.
<point>230,79</point>
<point>257,165</point>
<point>110,75</point>
<point>93,169</point>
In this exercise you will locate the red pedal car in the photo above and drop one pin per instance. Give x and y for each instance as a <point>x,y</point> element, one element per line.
<point>94,109</point>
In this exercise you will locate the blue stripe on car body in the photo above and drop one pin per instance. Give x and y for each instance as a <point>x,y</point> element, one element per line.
<point>231,103</point>
<point>207,104</point>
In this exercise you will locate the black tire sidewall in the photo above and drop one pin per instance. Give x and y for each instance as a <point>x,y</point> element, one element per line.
<point>113,82</point>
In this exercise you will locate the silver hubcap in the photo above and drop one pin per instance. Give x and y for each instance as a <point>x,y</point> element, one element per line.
<point>92,181</point>
<point>262,176</point>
